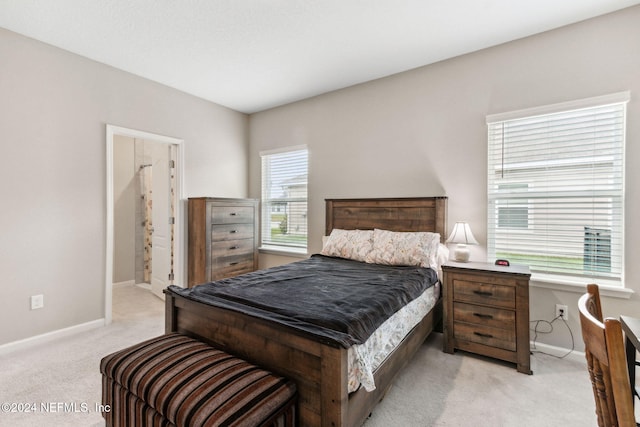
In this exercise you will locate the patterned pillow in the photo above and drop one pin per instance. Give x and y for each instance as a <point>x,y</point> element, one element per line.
<point>405,248</point>
<point>349,244</point>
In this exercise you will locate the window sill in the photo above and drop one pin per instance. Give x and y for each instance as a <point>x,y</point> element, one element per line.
<point>563,284</point>
<point>278,250</point>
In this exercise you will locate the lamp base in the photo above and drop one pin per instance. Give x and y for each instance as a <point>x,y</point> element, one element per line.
<point>462,253</point>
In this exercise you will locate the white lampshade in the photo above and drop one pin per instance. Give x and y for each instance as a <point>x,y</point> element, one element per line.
<point>462,235</point>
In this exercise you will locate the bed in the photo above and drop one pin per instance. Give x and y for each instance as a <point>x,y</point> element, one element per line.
<point>318,366</point>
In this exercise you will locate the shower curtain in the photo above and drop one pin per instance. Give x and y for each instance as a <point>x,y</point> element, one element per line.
<point>146,184</point>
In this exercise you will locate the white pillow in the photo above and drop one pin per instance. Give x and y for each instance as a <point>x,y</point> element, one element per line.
<point>349,244</point>
<point>442,255</point>
<point>405,248</point>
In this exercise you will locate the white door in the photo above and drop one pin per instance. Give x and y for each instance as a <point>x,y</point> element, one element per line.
<point>160,213</point>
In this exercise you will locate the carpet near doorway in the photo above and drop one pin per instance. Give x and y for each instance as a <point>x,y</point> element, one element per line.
<point>436,389</point>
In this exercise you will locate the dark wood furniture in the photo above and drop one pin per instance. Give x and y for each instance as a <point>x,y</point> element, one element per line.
<point>631,328</point>
<point>402,214</point>
<point>604,350</point>
<point>319,370</point>
<point>223,238</point>
<point>486,311</point>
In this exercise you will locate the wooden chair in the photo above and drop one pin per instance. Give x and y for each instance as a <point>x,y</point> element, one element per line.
<point>606,360</point>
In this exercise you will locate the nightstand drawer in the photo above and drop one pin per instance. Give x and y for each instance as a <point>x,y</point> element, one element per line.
<point>484,293</point>
<point>486,311</point>
<point>487,316</point>
<point>482,334</point>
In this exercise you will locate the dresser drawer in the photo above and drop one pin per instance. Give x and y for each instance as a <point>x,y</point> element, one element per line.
<point>487,335</point>
<point>484,293</point>
<point>231,247</point>
<point>232,265</point>
<point>231,232</point>
<point>488,316</point>
<point>232,215</point>
<point>222,240</point>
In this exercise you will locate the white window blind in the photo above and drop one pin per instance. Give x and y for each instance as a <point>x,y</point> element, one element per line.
<point>556,188</point>
<point>284,199</point>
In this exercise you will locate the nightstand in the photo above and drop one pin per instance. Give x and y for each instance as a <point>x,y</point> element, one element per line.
<point>486,311</point>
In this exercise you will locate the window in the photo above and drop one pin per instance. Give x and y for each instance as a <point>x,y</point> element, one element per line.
<point>284,199</point>
<point>512,214</point>
<point>555,188</point>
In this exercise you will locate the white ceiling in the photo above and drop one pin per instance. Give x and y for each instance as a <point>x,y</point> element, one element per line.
<point>250,55</point>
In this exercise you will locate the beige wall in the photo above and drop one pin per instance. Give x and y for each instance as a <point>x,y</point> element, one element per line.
<point>54,108</point>
<point>417,133</point>
<point>423,133</point>
<point>124,210</point>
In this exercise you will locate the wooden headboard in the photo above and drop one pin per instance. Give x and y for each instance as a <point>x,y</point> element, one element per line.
<point>399,214</point>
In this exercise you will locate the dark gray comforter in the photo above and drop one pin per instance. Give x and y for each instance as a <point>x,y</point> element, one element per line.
<point>336,301</point>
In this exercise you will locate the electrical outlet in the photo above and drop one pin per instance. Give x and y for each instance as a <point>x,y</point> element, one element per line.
<point>562,311</point>
<point>37,301</point>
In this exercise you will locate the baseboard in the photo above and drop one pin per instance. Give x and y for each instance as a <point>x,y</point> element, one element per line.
<point>559,352</point>
<point>125,283</point>
<point>50,336</point>
<point>146,286</point>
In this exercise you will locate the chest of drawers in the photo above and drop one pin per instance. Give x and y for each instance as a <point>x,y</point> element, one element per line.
<point>223,240</point>
<point>486,311</point>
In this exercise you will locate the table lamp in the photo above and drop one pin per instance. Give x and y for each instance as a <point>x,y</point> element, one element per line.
<point>462,235</point>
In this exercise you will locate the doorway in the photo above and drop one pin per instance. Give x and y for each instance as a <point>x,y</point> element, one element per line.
<point>144,218</point>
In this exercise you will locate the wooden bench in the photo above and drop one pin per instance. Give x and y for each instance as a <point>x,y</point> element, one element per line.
<point>174,380</point>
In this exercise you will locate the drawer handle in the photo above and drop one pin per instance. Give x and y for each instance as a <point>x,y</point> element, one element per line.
<point>233,231</point>
<point>234,247</point>
<point>483,316</point>
<point>233,263</point>
<point>483,293</point>
<point>480,334</point>
<point>233,214</point>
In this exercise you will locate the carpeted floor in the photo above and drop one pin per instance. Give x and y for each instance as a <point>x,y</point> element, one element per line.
<point>67,371</point>
<point>440,389</point>
<point>62,380</point>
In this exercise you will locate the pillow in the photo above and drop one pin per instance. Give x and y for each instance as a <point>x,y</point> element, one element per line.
<point>405,248</point>
<point>442,255</point>
<point>349,244</point>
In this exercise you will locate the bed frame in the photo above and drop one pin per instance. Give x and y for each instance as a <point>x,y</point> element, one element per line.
<point>319,370</point>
